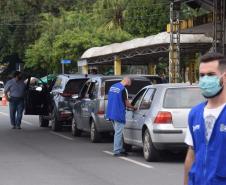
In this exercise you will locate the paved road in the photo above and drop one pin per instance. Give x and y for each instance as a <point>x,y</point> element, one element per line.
<point>37,156</point>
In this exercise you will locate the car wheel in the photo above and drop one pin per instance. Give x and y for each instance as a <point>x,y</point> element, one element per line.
<point>127,147</point>
<point>55,123</point>
<point>43,122</point>
<point>74,129</point>
<point>94,135</point>
<point>150,153</point>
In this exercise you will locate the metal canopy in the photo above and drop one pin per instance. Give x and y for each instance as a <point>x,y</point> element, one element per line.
<point>145,50</point>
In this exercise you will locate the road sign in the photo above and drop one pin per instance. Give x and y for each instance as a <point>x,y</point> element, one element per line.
<point>65,61</point>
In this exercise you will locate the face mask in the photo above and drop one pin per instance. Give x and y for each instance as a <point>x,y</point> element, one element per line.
<point>210,86</point>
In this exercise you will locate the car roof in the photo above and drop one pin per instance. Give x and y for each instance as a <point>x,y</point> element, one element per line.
<point>115,77</point>
<point>77,76</point>
<point>173,85</point>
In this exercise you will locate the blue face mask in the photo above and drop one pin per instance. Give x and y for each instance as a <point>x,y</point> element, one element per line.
<point>210,86</point>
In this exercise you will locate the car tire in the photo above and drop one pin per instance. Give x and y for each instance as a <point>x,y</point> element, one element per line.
<point>149,151</point>
<point>43,122</point>
<point>74,129</point>
<point>56,126</point>
<point>126,147</point>
<point>94,134</point>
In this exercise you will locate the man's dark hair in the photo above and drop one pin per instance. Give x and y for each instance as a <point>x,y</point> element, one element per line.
<point>209,57</point>
<point>16,73</point>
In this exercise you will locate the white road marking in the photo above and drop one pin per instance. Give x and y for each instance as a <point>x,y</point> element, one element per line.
<point>61,135</point>
<point>26,122</point>
<point>131,160</point>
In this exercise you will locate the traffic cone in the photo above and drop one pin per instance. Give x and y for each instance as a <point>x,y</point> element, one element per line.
<point>4,101</point>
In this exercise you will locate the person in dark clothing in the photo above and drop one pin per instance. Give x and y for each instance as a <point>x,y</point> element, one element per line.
<point>15,92</point>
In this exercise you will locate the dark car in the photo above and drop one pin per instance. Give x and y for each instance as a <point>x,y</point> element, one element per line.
<point>89,108</point>
<point>53,104</point>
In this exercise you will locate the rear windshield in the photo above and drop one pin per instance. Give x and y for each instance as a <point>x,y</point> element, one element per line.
<point>137,85</point>
<point>1,86</point>
<point>74,86</point>
<point>182,97</point>
<point>155,80</point>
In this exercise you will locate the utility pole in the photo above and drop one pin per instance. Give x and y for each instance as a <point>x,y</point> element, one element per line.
<point>174,49</point>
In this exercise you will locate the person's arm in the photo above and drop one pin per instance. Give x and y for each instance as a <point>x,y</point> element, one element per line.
<point>188,163</point>
<point>6,90</point>
<point>125,97</point>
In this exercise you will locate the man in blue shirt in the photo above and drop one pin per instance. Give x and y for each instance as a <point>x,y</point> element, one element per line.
<point>205,162</point>
<point>116,110</point>
<point>15,92</point>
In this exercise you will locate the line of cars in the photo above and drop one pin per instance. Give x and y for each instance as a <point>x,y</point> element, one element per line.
<point>80,101</point>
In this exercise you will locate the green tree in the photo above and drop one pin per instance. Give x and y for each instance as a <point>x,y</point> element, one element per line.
<point>146,17</point>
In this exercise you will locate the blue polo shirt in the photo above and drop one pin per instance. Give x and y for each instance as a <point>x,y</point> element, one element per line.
<point>116,108</point>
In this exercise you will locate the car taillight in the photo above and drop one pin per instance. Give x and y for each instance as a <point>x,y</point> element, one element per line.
<point>100,112</point>
<point>66,94</point>
<point>163,118</point>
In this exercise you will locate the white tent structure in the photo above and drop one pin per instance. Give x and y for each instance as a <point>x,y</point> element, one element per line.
<point>144,50</point>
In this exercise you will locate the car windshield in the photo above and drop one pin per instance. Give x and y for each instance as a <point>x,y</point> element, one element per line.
<point>182,97</point>
<point>74,86</point>
<point>1,85</point>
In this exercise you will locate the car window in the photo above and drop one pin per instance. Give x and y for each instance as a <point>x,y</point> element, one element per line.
<point>1,85</point>
<point>93,90</point>
<point>137,99</point>
<point>182,97</point>
<point>146,101</point>
<point>136,86</point>
<point>155,80</point>
<point>84,90</point>
<point>74,86</point>
<point>58,83</point>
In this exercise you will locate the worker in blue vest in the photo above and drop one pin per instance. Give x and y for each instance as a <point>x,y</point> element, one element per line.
<point>116,110</point>
<point>205,163</point>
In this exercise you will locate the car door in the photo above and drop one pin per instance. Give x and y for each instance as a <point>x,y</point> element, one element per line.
<point>87,105</point>
<point>78,107</point>
<point>37,98</point>
<point>129,131</point>
<point>140,115</point>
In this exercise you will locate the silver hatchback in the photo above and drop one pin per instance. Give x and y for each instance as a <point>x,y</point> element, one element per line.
<point>160,120</point>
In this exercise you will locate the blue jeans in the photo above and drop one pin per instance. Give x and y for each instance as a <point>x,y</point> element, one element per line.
<point>16,107</point>
<point>118,144</point>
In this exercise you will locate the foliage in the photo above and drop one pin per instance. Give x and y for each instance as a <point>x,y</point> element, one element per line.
<point>40,33</point>
<point>146,17</point>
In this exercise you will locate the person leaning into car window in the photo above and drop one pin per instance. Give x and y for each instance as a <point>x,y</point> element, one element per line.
<point>116,110</point>
<point>206,134</point>
<point>15,92</point>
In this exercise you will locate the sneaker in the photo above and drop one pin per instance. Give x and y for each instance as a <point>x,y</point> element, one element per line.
<point>122,154</point>
<point>18,127</point>
<point>13,127</point>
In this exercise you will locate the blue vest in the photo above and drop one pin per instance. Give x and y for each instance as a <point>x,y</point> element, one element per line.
<point>116,109</point>
<point>209,167</point>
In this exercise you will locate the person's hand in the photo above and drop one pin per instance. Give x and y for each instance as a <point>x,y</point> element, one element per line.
<point>134,108</point>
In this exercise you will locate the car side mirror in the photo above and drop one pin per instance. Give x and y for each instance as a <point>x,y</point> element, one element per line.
<point>38,89</point>
<point>75,96</point>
